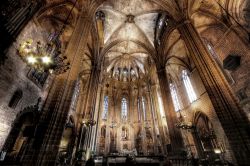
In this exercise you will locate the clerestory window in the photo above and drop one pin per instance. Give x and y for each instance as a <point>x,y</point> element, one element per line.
<point>105,108</point>
<point>188,86</point>
<point>175,98</point>
<point>143,108</point>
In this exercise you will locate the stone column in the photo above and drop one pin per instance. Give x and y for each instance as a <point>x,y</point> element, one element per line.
<point>97,116</point>
<point>90,106</point>
<point>174,133</point>
<point>75,50</point>
<point>164,138</point>
<point>231,116</point>
<point>153,118</point>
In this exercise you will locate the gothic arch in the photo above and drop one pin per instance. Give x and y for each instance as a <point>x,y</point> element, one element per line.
<point>204,135</point>
<point>199,114</point>
<point>67,142</point>
<point>23,129</point>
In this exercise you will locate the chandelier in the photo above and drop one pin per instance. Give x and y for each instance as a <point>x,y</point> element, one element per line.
<point>46,56</point>
<point>185,125</point>
<point>89,122</point>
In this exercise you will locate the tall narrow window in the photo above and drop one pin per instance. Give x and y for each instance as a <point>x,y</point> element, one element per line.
<point>124,109</point>
<point>175,99</point>
<point>75,95</point>
<point>105,108</point>
<point>138,109</point>
<point>143,108</point>
<point>217,60</point>
<point>18,94</point>
<point>38,77</point>
<point>189,88</point>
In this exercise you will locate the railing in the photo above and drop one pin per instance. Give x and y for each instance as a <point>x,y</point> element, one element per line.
<point>182,162</point>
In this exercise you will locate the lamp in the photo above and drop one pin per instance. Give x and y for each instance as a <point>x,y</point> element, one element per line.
<point>182,124</point>
<point>185,125</point>
<point>46,56</point>
<point>43,57</point>
<point>89,122</point>
<point>217,151</point>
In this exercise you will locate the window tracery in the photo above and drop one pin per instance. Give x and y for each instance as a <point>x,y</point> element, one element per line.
<point>75,96</point>
<point>138,109</point>
<point>218,61</point>
<point>175,98</point>
<point>143,108</point>
<point>188,86</point>
<point>38,77</point>
<point>105,108</point>
<point>124,111</point>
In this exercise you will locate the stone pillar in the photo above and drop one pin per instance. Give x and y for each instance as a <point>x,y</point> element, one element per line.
<point>164,138</point>
<point>60,105</point>
<point>154,119</point>
<point>174,133</point>
<point>99,120</point>
<point>97,116</point>
<point>90,107</point>
<point>231,116</point>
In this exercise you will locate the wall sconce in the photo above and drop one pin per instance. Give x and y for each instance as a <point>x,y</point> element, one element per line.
<point>217,151</point>
<point>89,122</point>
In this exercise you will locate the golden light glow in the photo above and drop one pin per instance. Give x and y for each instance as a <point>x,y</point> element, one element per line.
<point>162,113</point>
<point>46,59</point>
<point>31,59</point>
<point>217,151</point>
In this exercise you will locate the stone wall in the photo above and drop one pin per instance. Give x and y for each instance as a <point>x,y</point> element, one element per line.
<point>230,43</point>
<point>204,105</point>
<point>13,76</point>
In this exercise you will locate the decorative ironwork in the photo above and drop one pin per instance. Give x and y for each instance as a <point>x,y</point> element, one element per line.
<point>185,125</point>
<point>113,124</point>
<point>46,56</point>
<point>89,122</point>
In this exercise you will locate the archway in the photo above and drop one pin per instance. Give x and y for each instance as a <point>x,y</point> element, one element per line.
<point>102,140</point>
<point>67,142</point>
<point>19,136</point>
<point>204,136</point>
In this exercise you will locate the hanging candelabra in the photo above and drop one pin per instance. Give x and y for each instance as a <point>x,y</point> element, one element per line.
<point>185,125</point>
<point>89,122</point>
<point>46,56</point>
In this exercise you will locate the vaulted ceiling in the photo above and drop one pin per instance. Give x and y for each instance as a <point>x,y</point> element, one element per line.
<point>135,31</point>
<point>129,29</point>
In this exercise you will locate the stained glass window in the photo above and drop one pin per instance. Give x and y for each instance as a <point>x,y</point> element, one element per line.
<point>216,58</point>
<point>175,98</point>
<point>124,113</point>
<point>188,86</point>
<point>105,107</point>
<point>75,96</point>
<point>143,108</point>
<point>138,109</point>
